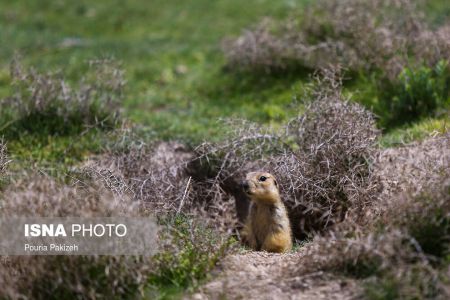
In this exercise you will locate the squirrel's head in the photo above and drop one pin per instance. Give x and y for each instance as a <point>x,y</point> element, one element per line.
<point>261,187</point>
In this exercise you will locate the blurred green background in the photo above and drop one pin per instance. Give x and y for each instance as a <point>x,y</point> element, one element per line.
<point>171,50</point>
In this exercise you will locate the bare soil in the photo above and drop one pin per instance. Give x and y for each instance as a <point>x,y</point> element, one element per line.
<point>262,275</point>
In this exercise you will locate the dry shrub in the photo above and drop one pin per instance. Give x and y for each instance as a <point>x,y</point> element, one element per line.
<point>389,265</point>
<point>425,217</point>
<point>47,103</point>
<point>321,159</point>
<point>101,88</point>
<point>196,217</point>
<point>360,257</point>
<point>38,195</point>
<point>418,200</point>
<point>411,168</point>
<point>154,173</point>
<point>329,175</point>
<point>257,49</point>
<point>403,257</point>
<point>358,34</point>
<point>409,281</point>
<point>73,277</point>
<point>161,177</point>
<point>188,247</point>
<point>63,277</point>
<point>3,158</point>
<point>222,166</point>
<point>401,251</point>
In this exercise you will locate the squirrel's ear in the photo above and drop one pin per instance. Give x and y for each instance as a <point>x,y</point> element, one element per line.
<point>275,181</point>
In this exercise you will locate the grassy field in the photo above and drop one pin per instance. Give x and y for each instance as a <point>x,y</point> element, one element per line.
<point>170,50</point>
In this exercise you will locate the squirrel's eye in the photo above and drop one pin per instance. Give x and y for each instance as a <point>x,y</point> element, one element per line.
<point>262,178</point>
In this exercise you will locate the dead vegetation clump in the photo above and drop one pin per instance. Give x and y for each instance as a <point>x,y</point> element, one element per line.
<point>401,249</point>
<point>403,256</point>
<point>322,159</point>
<point>61,277</point>
<point>3,158</point>
<point>47,103</point>
<point>413,167</point>
<point>257,50</point>
<point>375,35</point>
<point>153,173</point>
<point>161,177</point>
<point>196,218</point>
<point>73,277</point>
<point>188,247</point>
<point>388,265</point>
<point>39,195</point>
<point>425,217</point>
<point>417,178</point>
<point>329,175</point>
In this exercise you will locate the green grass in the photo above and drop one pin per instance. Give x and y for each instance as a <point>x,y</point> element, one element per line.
<point>193,251</point>
<point>419,92</point>
<point>415,132</point>
<point>437,11</point>
<point>170,50</point>
<point>65,149</point>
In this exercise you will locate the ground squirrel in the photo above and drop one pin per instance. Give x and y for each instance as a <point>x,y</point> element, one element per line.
<point>267,226</point>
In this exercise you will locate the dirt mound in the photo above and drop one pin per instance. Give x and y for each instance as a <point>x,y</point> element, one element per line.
<point>265,276</point>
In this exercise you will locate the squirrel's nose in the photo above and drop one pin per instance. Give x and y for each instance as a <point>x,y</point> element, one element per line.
<point>244,185</point>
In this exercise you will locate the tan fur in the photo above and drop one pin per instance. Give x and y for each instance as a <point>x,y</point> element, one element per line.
<point>267,226</point>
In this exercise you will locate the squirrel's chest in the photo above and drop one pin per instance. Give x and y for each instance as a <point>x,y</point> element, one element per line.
<point>265,220</point>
